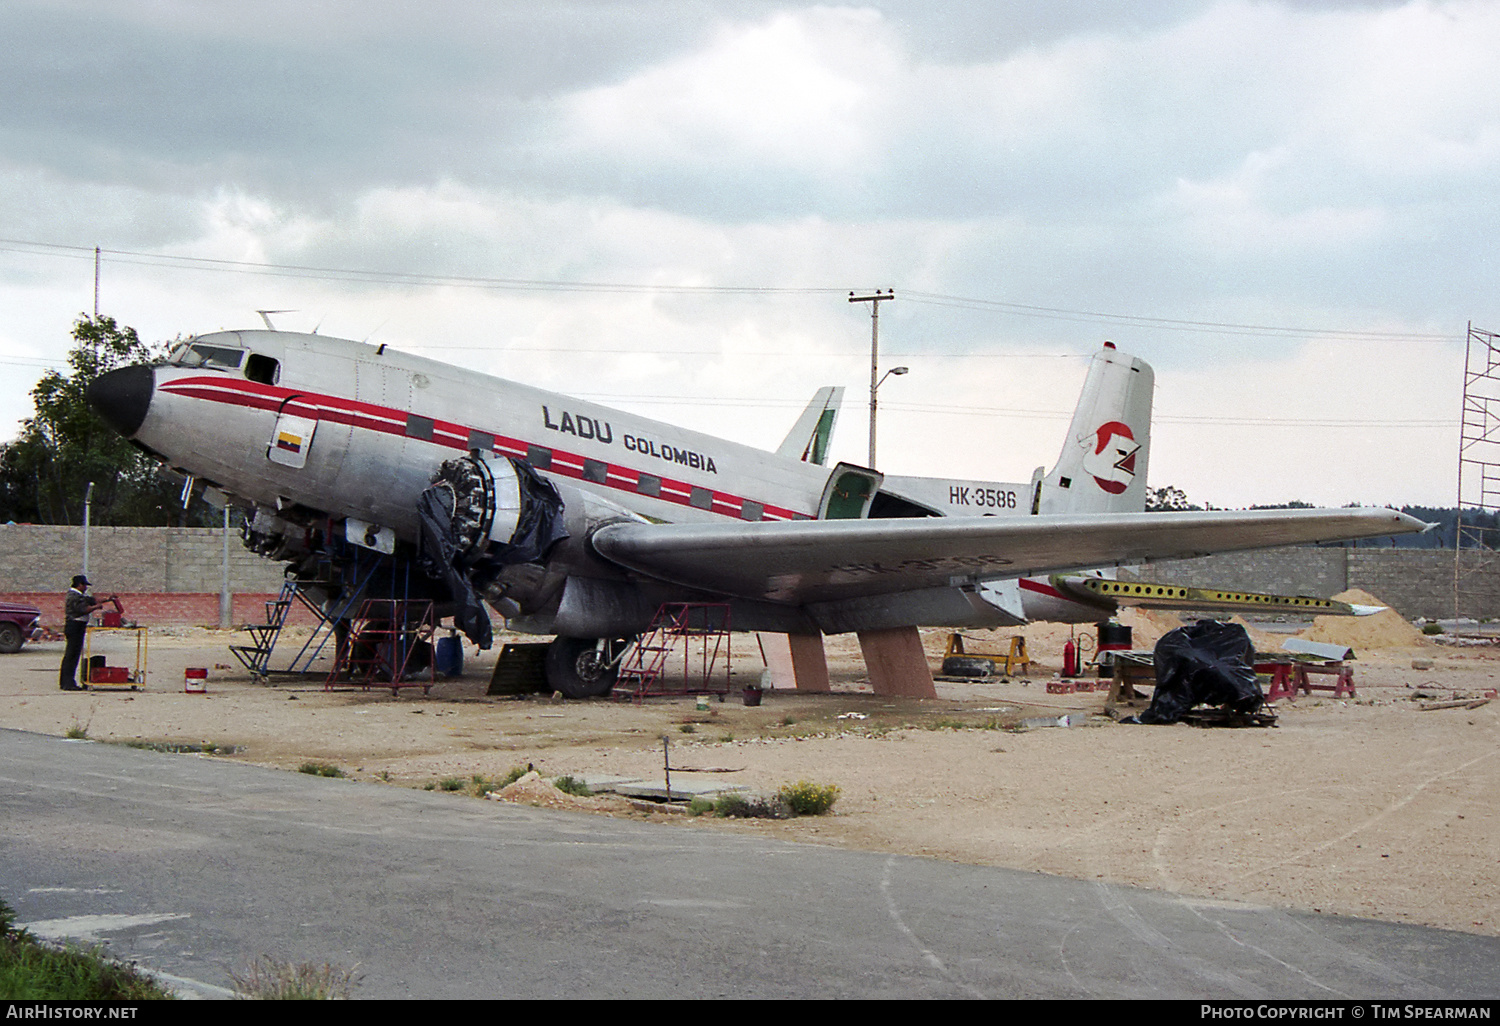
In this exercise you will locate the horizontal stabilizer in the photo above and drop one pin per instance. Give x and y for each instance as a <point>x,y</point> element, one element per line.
<point>1178,596</point>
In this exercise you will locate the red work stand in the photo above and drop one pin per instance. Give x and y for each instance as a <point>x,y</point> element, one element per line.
<point>1290,678</point>
<point>382,639</point>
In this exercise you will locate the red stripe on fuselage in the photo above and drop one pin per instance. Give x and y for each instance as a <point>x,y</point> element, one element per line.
<point>338,410</point>
<point>1031,584</point>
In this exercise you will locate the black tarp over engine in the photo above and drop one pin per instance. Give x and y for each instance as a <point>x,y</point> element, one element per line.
<point>1205,663</point>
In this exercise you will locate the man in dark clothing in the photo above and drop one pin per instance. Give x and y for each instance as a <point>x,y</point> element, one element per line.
<point>76,612</point>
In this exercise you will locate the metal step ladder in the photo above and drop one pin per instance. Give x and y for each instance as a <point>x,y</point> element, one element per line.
<point>383,637</point>
<point>673,628</point>
<point>256,657</point>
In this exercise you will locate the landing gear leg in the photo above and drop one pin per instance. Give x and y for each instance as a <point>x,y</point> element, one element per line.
<point>584,667</point>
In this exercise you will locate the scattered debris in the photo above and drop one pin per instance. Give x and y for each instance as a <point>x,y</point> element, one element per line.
<point>1463,703</point>
<point>1047,721</point>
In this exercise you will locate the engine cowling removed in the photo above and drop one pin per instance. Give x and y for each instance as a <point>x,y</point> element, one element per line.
<point>482,514</point>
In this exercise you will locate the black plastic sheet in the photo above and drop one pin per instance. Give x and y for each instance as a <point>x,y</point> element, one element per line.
<point>439,559</point>
<point>1205,663</point>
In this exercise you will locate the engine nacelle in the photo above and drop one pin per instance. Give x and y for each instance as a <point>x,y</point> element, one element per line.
<point>502,531</point>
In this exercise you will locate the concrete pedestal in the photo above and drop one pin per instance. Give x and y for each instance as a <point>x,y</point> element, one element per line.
<point>896,663</point>
<point>796,661</point>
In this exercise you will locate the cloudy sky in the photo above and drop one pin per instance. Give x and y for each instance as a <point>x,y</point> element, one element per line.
<point>1288,209</point>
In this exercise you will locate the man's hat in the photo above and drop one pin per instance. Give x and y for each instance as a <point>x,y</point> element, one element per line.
<point>80,580</point>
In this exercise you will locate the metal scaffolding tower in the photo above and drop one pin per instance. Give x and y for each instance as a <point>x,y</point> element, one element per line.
<point>1478,463</point>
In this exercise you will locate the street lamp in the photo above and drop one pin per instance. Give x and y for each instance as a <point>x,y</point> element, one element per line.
<point>875,299</point>
<point>874,392</point>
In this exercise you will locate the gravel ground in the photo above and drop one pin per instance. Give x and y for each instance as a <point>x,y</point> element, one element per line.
<point>1367,806</point>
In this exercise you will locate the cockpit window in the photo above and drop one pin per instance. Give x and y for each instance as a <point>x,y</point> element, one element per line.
<point>263,369</point>
<point>198,355</point>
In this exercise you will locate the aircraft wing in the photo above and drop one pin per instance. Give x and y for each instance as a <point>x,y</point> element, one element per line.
<point>830,560</point>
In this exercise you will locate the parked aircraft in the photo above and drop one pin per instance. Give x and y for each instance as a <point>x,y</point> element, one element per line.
<point>576,520</point>
<point>1101,469</point>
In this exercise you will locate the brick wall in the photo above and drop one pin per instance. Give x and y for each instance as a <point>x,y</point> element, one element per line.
<point>137,559</point>
<point>183,607</point>
<point>1415,582</point>
<point>173,574</point>
<point>163,575</point>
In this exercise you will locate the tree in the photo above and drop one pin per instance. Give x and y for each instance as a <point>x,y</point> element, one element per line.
<point>1167,499</point>
<point>45,471</point>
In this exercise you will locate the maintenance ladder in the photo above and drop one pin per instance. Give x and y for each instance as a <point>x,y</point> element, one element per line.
<point>256,657</point>
<point>676,625</point>
<point>383,637</point>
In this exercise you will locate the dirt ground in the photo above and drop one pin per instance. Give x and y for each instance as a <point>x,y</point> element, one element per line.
<point>1367,806</point>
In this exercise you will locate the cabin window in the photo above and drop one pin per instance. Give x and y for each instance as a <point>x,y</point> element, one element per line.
<point>481,440</point>
<point>595,471</point>
<point>263,369</point>
<point>702,498</point>
<point>648,484</point>
<point>539,456</point>
<point>752,510</point>
<point>217,357</point>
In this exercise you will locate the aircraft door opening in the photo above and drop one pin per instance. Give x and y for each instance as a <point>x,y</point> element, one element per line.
<point>849,492</point>
<point>291,438</point>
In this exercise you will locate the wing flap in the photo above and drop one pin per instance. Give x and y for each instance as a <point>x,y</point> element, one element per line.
<point>822,561</point>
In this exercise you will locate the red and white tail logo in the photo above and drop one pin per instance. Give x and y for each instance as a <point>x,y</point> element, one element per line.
<point>1111,458</point>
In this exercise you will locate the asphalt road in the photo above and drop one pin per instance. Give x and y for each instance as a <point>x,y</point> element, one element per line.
<point>194,866</point>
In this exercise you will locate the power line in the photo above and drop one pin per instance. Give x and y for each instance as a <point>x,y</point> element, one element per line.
<point>1172,324</point>
<point>363,276</point>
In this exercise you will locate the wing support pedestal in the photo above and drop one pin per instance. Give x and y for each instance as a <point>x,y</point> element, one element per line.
<point>795,660</point>
<point>897,663</point>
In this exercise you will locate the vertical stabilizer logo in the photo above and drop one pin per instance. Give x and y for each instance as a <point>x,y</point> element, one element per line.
<point>1110,460</point>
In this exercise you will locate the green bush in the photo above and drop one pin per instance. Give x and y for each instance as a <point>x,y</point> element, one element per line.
<point>32,971</point>
<point>516,773</point>
<point>573,786</point>
<point>320,769</point>
<point>1432,628</point>
<point>749,806</point>
<point>451,784</point>
<point>808,799</point>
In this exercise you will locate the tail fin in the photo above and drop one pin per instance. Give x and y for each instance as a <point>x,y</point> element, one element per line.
<point>1102,468</point>
<point>808,439</point>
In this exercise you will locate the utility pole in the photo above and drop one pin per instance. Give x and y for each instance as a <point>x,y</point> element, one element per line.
<point>96,283</point>
<point>88,501</point>
<point>874,299</point>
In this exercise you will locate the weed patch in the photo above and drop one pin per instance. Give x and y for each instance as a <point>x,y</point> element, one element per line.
<point>268,979</point>
<point>32,971</point>
<point>451,784</point>
<point>808,799</point>
<point>78,731</point>
<point>572,785</point>
<point>184,748</point>
<point>320,769</point>
<point>516,773</point>
<point>750,806</point>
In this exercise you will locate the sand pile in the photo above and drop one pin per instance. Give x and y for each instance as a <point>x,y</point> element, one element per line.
<point>1385,629</point>
<point>532,789</point>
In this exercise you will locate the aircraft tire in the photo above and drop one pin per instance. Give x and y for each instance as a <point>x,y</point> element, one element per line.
<point>967,666</point>
<point>574,669</point>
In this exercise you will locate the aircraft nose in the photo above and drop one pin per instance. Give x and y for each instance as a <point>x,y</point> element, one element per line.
<point>122,397</point>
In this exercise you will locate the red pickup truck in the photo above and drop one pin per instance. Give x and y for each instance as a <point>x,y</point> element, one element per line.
<point>18,625</point>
